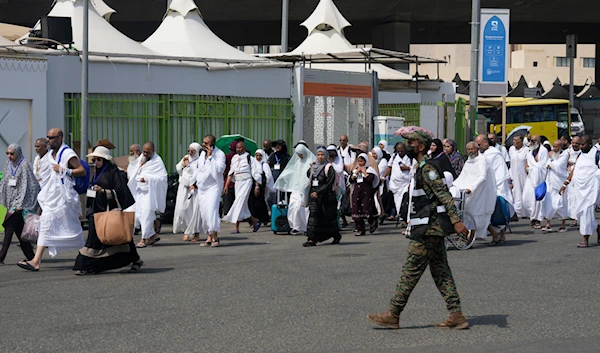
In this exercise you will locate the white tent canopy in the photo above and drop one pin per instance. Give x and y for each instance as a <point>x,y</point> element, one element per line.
<point>103,37</point>
<point>327,14</point>
<point>4,42</point>
<point>184,34</point>
<point>63,9</point>
<point>326,47</point>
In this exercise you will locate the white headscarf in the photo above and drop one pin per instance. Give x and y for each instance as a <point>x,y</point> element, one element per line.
<point>370,169</point>
<point>379,153</point>
<point>294,176</point>
<point>263,154</point>
<point>338,162</point>
<point>196,146</point>
<point>384,143</point>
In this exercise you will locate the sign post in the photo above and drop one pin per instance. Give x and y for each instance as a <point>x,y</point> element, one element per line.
<point>571,54</point>
<point>494,57</point>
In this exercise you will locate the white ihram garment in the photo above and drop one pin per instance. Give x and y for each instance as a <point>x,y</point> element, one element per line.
<point>209,180</point>
<point>132,167</point>
<point>184,204</point>
<point>150,195</point>
<point>297,213</point>
<point>586,189</point>
<point>571,200</point>
<point>504,152</point>
<point>535,176</point>
<point>59,227</point>
<point>398,179</point>
<point>478,177</point>
<point>497,164</point>
<point>555,204</point>
<point>244,177</point>
<point>42,169</point>
<point>518,175</point>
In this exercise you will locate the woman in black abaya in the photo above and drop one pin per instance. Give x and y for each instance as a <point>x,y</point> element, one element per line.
<point>108,182</point>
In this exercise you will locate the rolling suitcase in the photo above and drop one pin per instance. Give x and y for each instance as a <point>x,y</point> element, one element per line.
<point>279,212</point>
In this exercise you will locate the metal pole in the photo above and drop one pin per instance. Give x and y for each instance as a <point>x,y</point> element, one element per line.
<point>572,82</point>
<point>504,120</point>
<point>474,84</point>
<point>284,25</point>
<point>84,81</point>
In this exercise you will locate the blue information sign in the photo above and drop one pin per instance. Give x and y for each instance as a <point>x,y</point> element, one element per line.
<point>494,51</point>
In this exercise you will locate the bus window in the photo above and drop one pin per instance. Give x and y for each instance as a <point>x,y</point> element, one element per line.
<point>548,113</point>
<point>532,114</point>
<point>490,114</point>
<point>514,115</point>
<point>563,113</point>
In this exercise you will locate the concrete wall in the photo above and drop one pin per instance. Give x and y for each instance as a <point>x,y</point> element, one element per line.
<point>22,103</point>
<point>523,57</point>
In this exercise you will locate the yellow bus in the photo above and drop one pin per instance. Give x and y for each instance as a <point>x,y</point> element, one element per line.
<point>548,118</point>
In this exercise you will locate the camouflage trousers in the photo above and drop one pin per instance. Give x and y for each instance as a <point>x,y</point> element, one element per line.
<point>430,251</point>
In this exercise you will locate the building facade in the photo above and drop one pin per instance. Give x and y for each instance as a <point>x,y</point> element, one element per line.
<point>536,62</point>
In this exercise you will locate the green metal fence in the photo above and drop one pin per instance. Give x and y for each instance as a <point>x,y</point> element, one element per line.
<point>411,112</point>
<point>172,122</point>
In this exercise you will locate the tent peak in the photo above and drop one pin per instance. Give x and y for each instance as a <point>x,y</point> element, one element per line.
<point>183,7</point>
<point>326,17</point>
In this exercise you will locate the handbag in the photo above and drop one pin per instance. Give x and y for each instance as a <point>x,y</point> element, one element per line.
<point>30,231</point>
<point>540,190</point>
<point>114,227</point>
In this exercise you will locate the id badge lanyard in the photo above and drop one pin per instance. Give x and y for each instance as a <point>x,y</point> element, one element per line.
<point>13,172</point>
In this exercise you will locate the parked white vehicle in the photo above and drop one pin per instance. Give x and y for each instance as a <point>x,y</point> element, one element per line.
<point>577,127</point>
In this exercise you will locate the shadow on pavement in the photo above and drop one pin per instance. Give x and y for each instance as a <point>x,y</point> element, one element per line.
<point>222,245</point>
<point>353,242</point>
<point>515,242</point>
<point>500,321</point>
<point>144,270</point>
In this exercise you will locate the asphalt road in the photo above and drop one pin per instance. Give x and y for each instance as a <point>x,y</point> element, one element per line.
<point>262,292</point>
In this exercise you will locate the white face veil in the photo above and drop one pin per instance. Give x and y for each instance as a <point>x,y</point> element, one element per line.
<point>294,177</point>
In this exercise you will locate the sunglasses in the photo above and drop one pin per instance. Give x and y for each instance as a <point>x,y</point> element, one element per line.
<point>10,153</point>
<point>96,159</point>
<point>52,137</point>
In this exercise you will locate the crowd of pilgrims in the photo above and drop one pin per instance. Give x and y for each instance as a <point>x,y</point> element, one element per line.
<point>324,190</point>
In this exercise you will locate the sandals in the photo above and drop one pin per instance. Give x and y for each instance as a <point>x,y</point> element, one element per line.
<point>136,266</point>
<point>141,245</point>
<point>153,241</point>
<point>206,243</point>
<point>215,244</point>
<point>256,227</point>
<point>83,273</point>
<point>27,266</point>
<point>546,229</point>
<point>157,228</point>
<point>562,230</point>
<point>309,244</point>
<point>583,245</point>
<point>196,239</point>
<point>186,237</point>
<point>537,226</point>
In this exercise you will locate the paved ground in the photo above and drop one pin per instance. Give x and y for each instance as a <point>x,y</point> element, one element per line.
<point>265,293</point>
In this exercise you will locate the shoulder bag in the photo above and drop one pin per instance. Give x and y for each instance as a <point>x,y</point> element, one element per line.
<point>114,227</point>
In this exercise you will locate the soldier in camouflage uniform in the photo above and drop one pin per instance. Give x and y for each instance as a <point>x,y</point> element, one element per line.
<point>426,247</point>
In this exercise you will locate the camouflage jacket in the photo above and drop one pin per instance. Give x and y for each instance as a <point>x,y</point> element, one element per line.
<point>428,178</point>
